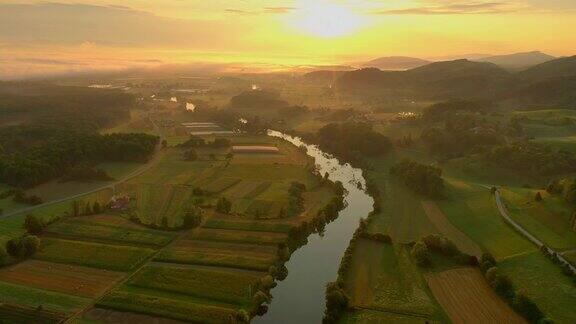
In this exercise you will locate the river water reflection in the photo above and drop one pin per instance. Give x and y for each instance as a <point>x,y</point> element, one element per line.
<point>300,297</point>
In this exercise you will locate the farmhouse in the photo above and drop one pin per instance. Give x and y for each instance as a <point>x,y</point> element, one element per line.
<point>254,149</point>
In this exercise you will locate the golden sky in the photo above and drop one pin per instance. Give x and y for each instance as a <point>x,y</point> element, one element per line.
<point>39,36</point>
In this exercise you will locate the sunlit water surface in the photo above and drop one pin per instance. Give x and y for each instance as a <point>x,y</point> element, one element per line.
<point>300,297</point>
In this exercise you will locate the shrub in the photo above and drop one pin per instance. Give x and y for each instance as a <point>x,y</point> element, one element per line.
<point>191,219</point>
<point>336,302</point>
<point>23,247</point>
<point>223,205</point>
<point>527,308</point>
<point>3,256</point>
<point>33,225</point>
<point>503,286</point>
<point>421,254</point>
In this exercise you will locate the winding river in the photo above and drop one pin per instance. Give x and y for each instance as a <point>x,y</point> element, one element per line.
<point>300,297</point>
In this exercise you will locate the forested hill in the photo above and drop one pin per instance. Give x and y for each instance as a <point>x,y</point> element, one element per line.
<point>552,83</point>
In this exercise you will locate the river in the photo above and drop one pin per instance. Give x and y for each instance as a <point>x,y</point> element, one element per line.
<point>300,297</point>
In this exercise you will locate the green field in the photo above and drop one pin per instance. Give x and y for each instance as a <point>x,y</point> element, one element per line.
<point>383,278</point>
<point>102,256</point>
<point>472,209</point>
<point>232,287</point>
<point>545,283</point>
<point>31,297</point>
<point>170,305</point>
<point>80,229</point>
<point>13,226</point>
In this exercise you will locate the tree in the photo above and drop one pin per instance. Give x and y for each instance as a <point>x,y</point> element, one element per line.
<point>190,155</point>
<point>164,144</point>
<point>283,253</point>
<point>267,282</point>
<point>503,286</point>
<point>223,205</point>
<point>421,254</point>
<point>164,222</point>
<point>242,316</point>
<point>30,244</point>
<point>34,225</point>
<point>527,308</point>
<point>96,208</point>
<point>22,247</point>
<point>538,196</point>
<point>191,219</point>
<point>3,256</point>
<point>491,274</point>
<point>260,297</point>
<point>88,209</point>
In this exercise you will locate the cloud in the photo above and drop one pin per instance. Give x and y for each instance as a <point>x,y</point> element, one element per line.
<point>59,23</point>
<point>265,10</point>
<point>459,8</point>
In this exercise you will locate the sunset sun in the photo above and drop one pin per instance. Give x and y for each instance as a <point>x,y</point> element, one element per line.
<point>324,19</point>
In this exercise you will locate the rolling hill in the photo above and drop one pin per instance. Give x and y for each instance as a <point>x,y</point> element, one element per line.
<point>518,61</point>
<point>395,63</point>
<point>561,67</point>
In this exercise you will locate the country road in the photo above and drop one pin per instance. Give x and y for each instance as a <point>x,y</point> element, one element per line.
<point>133,174</point>
<point>524,232</point>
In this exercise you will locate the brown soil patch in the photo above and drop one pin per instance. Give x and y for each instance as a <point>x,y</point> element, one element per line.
<point>113,316</point>
<point>467,298</point>
<point>73,280</point>
<point>437,217</point>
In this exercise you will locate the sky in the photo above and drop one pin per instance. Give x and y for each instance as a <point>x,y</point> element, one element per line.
<point>45,37</point>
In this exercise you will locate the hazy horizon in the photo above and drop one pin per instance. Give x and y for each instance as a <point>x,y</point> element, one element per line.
<point>46,38</point>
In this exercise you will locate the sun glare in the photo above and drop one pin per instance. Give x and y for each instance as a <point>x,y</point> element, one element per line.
<point>324,19</point>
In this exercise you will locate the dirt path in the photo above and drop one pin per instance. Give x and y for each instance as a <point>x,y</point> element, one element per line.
<point>437,217</point>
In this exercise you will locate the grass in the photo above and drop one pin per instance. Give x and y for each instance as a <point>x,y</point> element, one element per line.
<point>236,236</point>
<point>222,254</point>
<point>77,228</point>
<point>549,220</point>
<point>224,260</point>
<point>13,226</point>
<point>366,316</point>
<point>545,283</point>
<point>21,295</point>
<point>402,215</point>
<point>383,278</point>
<point>247,225</point>
<point>102,256</point>
<point>472,209</point>
<point>219,285</point>
<point>174,306</point>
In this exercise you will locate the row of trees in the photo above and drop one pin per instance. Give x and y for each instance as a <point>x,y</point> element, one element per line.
<point>59,155</point>
<point>422,249</point>
<point>423,179</point>
<point>503,286</point>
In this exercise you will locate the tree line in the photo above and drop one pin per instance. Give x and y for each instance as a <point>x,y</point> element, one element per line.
<point>60,154</point>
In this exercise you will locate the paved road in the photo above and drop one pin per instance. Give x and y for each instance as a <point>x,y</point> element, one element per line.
<point>524,232</point>
<point>127,177</point>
